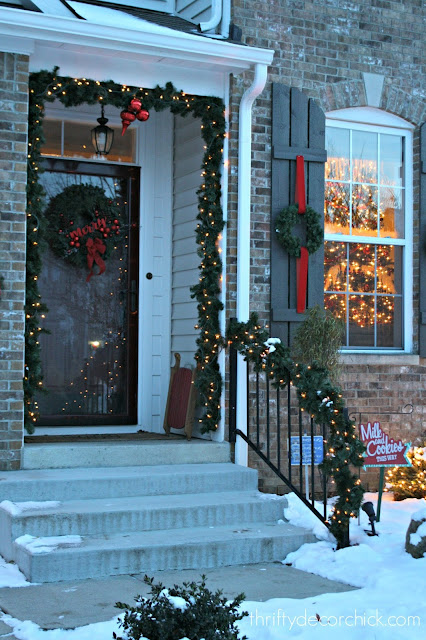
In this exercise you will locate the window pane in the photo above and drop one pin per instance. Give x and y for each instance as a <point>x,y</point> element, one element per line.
<point>389,269</point>
<point>391,160</point>
<point>365,198</point>
<point>361,321</point>
<point>364,210</point>
<point>391,212</point>
<point>364,156</point>
<point>78,143</point>
<point>52,133</point>
<point>389,321</point>
<point>361,267</point>
<point>335,266</point>
<point>336,303</point>
<point>77,140</point>
<point>337,145</point>
<point>336,207</point>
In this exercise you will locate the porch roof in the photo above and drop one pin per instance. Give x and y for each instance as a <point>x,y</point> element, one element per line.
<point>130,50</point>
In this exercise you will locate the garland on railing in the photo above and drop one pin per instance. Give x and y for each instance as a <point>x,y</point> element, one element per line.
<point>46,86</point>
<point>323,401</point>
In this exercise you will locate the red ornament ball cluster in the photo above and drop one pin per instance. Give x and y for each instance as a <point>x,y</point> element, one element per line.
<point>133,112</point>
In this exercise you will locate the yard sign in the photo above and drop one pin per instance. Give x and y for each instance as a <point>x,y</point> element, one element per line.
<point>382,451</point>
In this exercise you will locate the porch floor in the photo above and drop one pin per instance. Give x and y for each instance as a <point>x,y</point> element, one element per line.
<point>118,452</point>
<point>139,436</point>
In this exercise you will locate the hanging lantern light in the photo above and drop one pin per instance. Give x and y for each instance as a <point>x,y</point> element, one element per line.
<point>102,136</point>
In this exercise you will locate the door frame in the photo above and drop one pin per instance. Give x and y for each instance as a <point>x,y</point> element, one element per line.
<point>131,172</point>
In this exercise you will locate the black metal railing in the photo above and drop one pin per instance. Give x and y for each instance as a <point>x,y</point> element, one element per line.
<point>281,434</point>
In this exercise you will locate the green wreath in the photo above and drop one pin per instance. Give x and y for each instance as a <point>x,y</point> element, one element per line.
<point>286,220</point>
<point>79,213</point>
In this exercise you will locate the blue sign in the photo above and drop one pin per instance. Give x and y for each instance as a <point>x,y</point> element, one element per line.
<point>306,450</point>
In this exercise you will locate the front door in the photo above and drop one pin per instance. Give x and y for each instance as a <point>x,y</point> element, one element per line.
<point>89,282</point>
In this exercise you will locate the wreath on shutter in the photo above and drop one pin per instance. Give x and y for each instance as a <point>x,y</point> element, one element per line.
<point>285,222</point>
<point>79,219</point>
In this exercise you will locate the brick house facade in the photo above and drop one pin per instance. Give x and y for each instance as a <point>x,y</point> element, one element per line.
<point>343,55</point>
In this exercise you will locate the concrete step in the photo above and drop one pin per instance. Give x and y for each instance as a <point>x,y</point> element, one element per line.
<point>86,483</point>
<point>66,455</point>
<point>145,513</point>
<point>144,552</point>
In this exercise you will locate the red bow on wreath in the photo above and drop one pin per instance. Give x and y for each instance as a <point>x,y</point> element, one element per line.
<point>94,250</point>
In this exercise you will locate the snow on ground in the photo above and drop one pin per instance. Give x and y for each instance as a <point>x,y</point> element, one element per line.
<point>26,630</point>
<point>389,605</point>
<point>10,576</point>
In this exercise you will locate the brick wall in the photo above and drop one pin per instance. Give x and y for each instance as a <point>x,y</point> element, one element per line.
<point>324,47</point>
<point>13,178</point>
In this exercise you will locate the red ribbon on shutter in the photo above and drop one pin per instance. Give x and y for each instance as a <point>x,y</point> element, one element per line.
<point>302,262</point>
<point>300,183</point>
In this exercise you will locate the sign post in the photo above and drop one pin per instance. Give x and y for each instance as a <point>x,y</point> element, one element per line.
<point>382,451</point>
<point>306,455</point>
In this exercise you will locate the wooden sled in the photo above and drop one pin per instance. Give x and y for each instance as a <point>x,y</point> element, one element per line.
<point>181,399</point>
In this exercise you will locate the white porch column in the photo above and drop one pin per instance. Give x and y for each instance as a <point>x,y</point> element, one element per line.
<point>243,241</point>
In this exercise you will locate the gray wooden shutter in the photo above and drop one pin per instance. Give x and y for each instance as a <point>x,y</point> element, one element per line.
<point>298,128</point>
<point>422,247</point>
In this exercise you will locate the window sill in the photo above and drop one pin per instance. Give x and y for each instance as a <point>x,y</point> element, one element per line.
<point>381,358</point>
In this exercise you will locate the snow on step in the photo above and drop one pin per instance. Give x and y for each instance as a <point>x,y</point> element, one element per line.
<point>90,517</point>
<point>141,552</point>
<point>47,545</point>
<point>82,483</point>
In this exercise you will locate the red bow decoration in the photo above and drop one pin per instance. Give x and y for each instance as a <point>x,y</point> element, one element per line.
<point>302,262</point>
<point>94,250</point>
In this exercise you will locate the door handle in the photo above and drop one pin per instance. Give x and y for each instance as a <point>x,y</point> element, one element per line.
<point>133,297</point>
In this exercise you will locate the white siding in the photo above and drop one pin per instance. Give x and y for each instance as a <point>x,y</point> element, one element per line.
<point>155,257</point>
<point>188,157</point>
<point>194,10</point>
<point>166,6</point>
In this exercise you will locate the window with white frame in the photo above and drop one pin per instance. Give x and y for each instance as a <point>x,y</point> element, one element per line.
<point>368,229</point>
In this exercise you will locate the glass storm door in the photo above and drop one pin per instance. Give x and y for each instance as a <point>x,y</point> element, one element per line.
<point>89,282</point>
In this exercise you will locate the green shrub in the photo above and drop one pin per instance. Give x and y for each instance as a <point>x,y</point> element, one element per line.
<point>409,482</point>
<point>188,611</point>
<point>319,339</point>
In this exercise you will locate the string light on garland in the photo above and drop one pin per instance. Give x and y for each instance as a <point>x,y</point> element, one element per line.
<point>47,86</point>
<point>322,400</point>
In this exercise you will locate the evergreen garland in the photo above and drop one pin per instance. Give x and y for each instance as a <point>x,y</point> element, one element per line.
<point>47,86</point>
<point>323,400</point>
<point>285,222</point>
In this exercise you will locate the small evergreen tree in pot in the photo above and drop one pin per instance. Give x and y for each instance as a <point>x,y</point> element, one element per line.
<point>319,339</point>
<point>189,611</point>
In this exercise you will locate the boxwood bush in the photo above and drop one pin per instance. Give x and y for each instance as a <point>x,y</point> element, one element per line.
<point>187,612</point>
